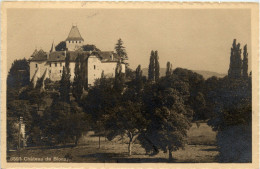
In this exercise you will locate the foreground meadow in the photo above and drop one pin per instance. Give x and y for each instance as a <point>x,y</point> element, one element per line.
<point>201,148</point>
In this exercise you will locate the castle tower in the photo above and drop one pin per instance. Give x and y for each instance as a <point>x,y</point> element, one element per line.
<point>74,39</point>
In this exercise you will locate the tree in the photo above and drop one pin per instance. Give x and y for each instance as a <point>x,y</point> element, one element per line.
<point>232,119</point>
<point>196,98</point>
<point>151,69</point>
<point>168,69</point>
<point>65,82</point>
<point>125,119</point>
<point>90,48</point>
<point>235,66</point>
<point>156,66</point>
<point>120,49</point>
<point>77,86</point>
<point>169,118</point>
<point>61,46</point>
<point>19,74</point>
<point>245,62</point>
<point>129,74</point>
<point>63,122</point>
<point>119,78</point>
<point>101,97</point>
<point>139,79</point>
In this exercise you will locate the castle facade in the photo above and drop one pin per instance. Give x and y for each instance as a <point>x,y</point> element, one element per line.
<point>50,64</point>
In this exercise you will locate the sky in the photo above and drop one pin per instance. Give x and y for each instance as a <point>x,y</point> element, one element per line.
<point>196,39</point>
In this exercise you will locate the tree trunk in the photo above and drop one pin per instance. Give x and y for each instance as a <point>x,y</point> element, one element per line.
<point>130,147</point>
<point>170,155</point>
<point>98,142</point>
<point>76,140</point>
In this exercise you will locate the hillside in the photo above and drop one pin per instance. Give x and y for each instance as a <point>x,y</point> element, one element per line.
<point>204,73</point>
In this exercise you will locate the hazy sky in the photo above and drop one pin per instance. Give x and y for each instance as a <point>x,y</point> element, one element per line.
<point>190,38</point>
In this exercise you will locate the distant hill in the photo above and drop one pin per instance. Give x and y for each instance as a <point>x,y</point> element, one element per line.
<point>204,73</point>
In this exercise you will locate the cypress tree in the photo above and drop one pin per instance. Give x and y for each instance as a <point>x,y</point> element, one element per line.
<point>168,69</point>
<point>65,82</point>
<point>151,70</point>
<point>245,62</point>
<point>157,66</point>
<point>235,66</point>
<point>139,78</point>
<point>238,66</point>
<point>232,59</point>
<point>119,78</point>
<point>78,81</point>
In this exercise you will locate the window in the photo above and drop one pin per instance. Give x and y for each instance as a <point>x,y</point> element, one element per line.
<point>76,41</point>
<point>72,41</point>
<point>55,64</point>
<point>79,41</point>
<point>69,41</point>
<point>50,64</point>
<point>50,71</point>
<point>94,67</point>
<point>60,64</point>
<point>60,71</point>
<point>36,65</point>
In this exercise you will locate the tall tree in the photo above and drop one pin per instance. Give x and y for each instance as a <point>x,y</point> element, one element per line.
<point>77,86</point>
<point>120,49</point>
<point>245,62</point>
<point>156,66</point>
<point>65,82</point>
<point>119,78</point>
<point>232,119</point>
<point>19,74</point>
<point>151,69</point>
<point>139,78</point>
<point>235,66</point>
<point>125,119</point>
<point>169,118</point>
<point>168,69</point>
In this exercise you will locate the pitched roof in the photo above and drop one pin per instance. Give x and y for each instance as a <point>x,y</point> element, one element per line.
<point>39,55</point>
<point>108,56</point>
<point>74,34</point>
<point>56,56</point>
<point>59,56</point>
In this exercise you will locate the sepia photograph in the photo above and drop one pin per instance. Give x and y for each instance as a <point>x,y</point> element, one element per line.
<point>131,84</point>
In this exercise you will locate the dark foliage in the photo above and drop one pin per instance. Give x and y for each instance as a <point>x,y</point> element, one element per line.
<point>90,48</point>
<point>61,46</point>
<point>19,74</point>
<point>120,49</point>
<point>77,85</point>
<point>151,69</point>
<point>64,89</point>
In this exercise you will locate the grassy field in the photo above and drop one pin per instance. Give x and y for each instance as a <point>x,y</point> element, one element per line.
<point>200,148</point>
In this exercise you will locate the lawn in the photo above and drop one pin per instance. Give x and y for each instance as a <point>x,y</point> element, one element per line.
<point>200,148</point>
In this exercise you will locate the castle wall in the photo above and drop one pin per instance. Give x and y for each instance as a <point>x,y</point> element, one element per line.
<point>94,69</point>
<point>37,67</point>
<point>55,70</point>
<point>109,68</point>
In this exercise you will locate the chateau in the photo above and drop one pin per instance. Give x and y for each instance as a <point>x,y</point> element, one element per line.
<point>50,64</point>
